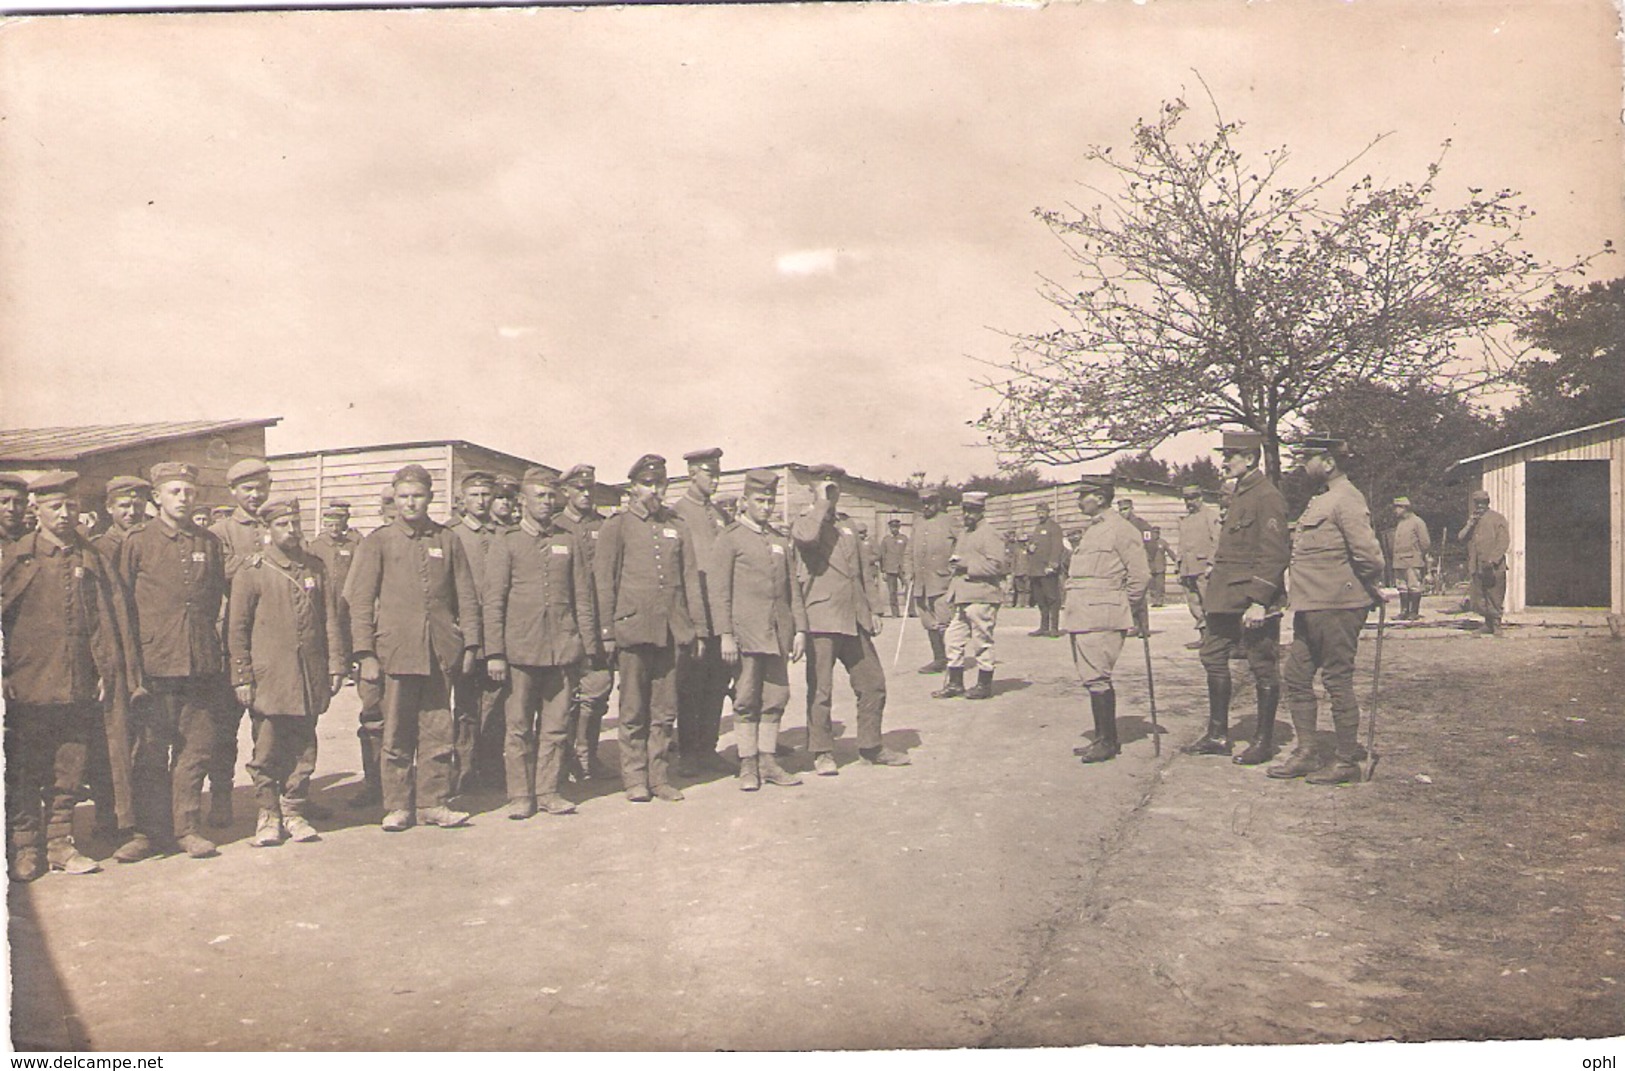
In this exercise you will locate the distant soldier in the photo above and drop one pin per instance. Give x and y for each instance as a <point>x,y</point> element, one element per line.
<point>415,625</point>
<point>591,700</point>
<point>649,585</point>
<point>540,626</point>
<point>1488,537</point>
<point>370,721</point>
<point>287,662</point>
<point>840,624</point>
<point>975,592</point>
<point>871,562</point>
<point>702,676</point>
<point>1125,507</point>
<point>1411,546</point>
<point>1244,599</point>
<point>761,624</point>
<point>933,546</point>
<point>505,503</point>
<point>478,732</point>
<point>125,500</point>
<point>242,535</point>
<point>13,507</point>
<point>1156,554</point>
<point>68,672</point>
<point>1198,536</point>
<point>1045,567</point>
<point>729,505</point>
<point>1018,552</point>
<point>894,565</point>
<point>176,574</point>
<point>1336,569</point>
<point>1106,580</point>
<point>336,545</point>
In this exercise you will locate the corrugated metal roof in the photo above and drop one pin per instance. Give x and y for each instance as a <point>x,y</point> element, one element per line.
<point>71,444</point>
<point>1542,439</point>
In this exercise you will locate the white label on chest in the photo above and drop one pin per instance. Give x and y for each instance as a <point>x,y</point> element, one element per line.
<point>344,553</point>
<point>775,548</point>
<point>593,533</point>
<point>200,556</point>
<point>669,533</point>
<point>436,552</point>
<point>310,583</point>
<point>560,550</point>
<point>78,572</point>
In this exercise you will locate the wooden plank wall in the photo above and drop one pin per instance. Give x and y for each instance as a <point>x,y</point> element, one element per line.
<point>212,454</point>
<point>1016,512</point>
<point>359,477</point>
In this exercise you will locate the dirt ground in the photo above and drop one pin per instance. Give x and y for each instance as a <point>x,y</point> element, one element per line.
<point>994,893</point>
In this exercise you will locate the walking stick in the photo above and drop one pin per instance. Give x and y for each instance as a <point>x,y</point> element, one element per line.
<point>902,623</point>
<point>1151,689</point>
<point>1376,694</point>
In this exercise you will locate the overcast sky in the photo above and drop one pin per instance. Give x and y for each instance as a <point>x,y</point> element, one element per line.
<point>789,231</point>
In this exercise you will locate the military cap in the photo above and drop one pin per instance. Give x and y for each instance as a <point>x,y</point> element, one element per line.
<point>1315,444</point>
<point>711,457</point>
<point>1403,501</point>
<point>1125,502</point>
<point>55,482</point>
<point>386,498</point>
<point>126,485</point>
<point>536,476</point>
<point>13,480</point>
<point>165,471</point>
<point>727,502</point>
<point>930,494</point>
<point>1480,495</point>
<point>336,507</point>
<point>894,523</point>
<point>974,500</point>
<point>580,476</point>
<point>826,471</point>
<point>647,465</point>
<point>223,511</point>
<point>1242,439</point>
<point>1191,490</point>
<point>412,474</point>
<point>478,478</point>
<point>1097,485</point>
<point>507,486</point>
<point>761,480</point>
<point>278,507</point>
<point>247,469</point>
<point>860,528</point>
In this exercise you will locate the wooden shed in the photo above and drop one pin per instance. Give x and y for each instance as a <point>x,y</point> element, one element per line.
<point>361,476</point>
<point>100,452</point>
<point>1564,497</point>
<point>1159,504</point>
<point>870,501</point>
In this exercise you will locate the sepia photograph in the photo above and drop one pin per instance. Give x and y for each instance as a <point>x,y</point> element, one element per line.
<point>815,528</point>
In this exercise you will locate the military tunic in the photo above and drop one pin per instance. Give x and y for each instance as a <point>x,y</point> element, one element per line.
<point>829,568</point>
<point>976,592</point>
<point>1488,539</point>
<point>1249,568</point>
<point>756,600</point>
<point>479,731</point>
<point>243,536</point>
<point>933,546</point>
<point>1107,578</point>
<point>591,700</point>
<point>702,676</point>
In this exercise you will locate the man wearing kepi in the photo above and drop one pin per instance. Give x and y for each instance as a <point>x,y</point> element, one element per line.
<point>125,500</point>
<point>1047,547</point>
<point>702,676</point>
<point>1336,569</point>
<point>975,592</point>
<point>933,545</point>
<point>67,660</point>
<point>478,702</point>
<point>540,624</point>
<point>415,625</point>
<point>649,585</point>
<point>176,574</point>
<point>840,625</point>
<point>894,562</point>
<point>1106,584</point>
<point>242,535</point>
<point>761,623</point>
<point>1488,536</point>
<point>287,662</point>
<point>13,507</point>
<point>1199,532</point>
<point>591,700</point>
<point>1244,598</point>
<point>1411,546</point>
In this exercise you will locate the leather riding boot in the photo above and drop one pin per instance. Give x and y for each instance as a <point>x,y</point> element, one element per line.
<point>955,687</point>
<point>1262,748</point>
<point>372,786</point>
<point>939,651</point>
<point>1216,740</point>
<point>983,688</point>
<point>1103,705</point>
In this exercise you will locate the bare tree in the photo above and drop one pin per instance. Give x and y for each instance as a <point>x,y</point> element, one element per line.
<point>1209,291</point>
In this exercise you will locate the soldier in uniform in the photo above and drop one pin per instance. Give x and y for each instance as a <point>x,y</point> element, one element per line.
<point>1411,546</point>
<point>67,661</point>
<point>415,626</point>
<point>1106,580</point>
<point>761,624</point>
<point>894,561</point>
<point>13,507</point>
<point>702,676</point>
<point>1488,537</point>
<point>242,535</point>
<point>1125,506</point>
<point>1156,554</point>
<point>478,732</point>
<point>1018,552</point>
<point>841,625</point>
<point>1044,570</point>
<point>287,662</point>
<point>176,574</point>
<point>370,722</point>
<point>1336,569</point>
<point>125,500</point>
<point>933,546</point>
<point>975,593</point>
<point>591,700</point>
<point>1198,536</point>
<point>505,503</point>
<point>649,584</point>
<point>1244,599</point>
<point>540,625</point>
